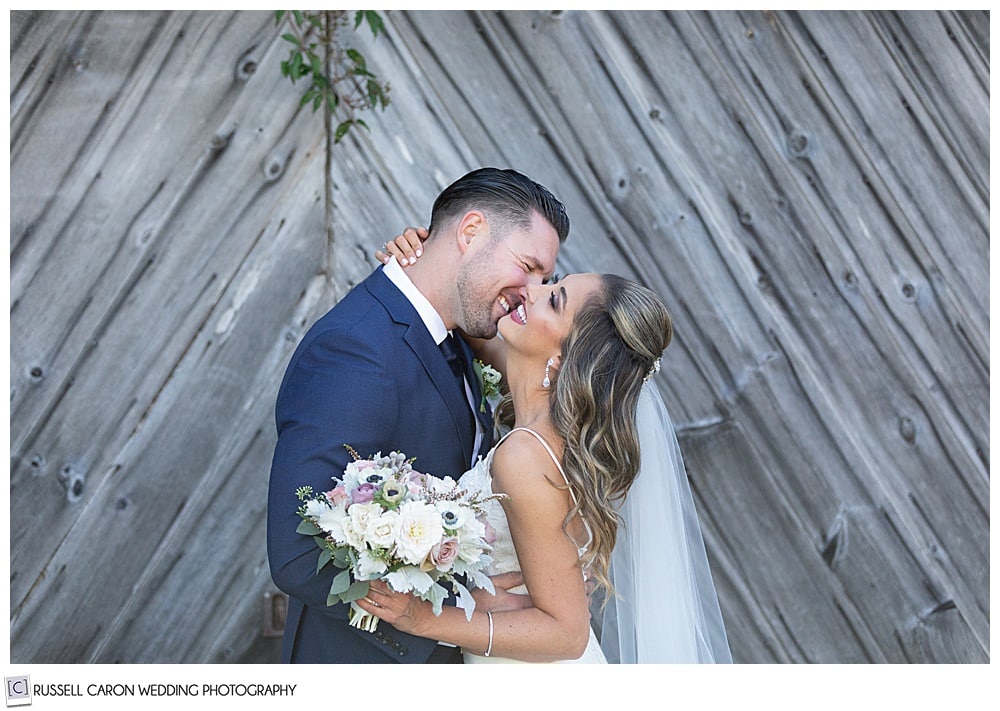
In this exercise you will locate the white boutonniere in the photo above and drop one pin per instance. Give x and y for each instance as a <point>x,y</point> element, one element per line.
<point>489,382</point>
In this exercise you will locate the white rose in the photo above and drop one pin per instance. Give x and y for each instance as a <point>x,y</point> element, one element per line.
<point>363,514</point>
<point>469,551</point>
<point>356,525</point>
<point>381,531</point>
<point>472,528</point>
<point>352,536</point>
<point>419,530</point>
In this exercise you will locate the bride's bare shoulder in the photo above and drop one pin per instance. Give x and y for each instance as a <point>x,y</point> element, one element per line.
<point>522,460</point>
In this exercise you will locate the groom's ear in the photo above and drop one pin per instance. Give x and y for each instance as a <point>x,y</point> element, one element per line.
<point>473,226</point>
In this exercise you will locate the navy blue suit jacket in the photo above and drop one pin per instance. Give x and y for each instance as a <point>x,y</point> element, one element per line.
<point>367,374</point>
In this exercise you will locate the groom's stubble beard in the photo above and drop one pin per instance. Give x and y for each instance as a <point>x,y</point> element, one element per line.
<point>476,294</point>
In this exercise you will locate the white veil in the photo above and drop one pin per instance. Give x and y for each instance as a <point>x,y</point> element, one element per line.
<point>665,608</point>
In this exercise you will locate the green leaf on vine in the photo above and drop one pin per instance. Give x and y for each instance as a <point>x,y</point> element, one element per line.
<point>341,131</point>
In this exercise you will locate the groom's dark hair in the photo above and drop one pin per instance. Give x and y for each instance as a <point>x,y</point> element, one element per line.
<point>506,196</point>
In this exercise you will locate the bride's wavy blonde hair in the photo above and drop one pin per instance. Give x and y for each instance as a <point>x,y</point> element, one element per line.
<point>611,349</point>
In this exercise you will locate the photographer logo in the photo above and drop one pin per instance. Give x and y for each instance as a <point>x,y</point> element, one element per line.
<point>18,691</point>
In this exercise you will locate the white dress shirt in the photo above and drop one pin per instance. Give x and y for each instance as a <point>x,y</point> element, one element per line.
<point>435,325</point>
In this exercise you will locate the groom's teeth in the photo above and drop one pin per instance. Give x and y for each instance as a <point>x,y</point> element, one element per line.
<point>504,304</point>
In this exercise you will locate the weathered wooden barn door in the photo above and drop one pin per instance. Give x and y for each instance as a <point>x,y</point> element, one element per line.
<point>808,191</point>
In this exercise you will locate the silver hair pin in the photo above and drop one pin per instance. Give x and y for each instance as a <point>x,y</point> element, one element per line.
<point>652,371</point>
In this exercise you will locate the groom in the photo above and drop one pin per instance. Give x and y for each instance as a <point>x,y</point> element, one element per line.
<point>371,374</point>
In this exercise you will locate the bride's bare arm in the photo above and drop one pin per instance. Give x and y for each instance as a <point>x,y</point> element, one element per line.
<point>558,626</point>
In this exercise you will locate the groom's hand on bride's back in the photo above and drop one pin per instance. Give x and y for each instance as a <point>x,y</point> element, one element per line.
<point>503,600</point>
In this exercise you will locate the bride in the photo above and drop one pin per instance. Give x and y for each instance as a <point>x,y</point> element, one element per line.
<point>596,494</point>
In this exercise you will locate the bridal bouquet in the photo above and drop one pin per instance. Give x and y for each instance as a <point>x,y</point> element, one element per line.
<point>383,520</point>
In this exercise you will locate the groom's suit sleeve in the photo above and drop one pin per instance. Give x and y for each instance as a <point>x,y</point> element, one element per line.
<point>337,391</point>
<point>368,374</point>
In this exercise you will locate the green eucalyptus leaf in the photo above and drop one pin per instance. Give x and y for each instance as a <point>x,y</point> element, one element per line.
<point>341,558</point>
<point>341,582</point>
<point>358,589</point>
<point>308,528</point>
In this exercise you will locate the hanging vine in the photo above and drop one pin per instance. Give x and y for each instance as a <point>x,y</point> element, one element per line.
<point>339,82</point>
<point>338,76</point>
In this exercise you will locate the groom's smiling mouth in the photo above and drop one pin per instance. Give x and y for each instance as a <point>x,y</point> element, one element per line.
<point>506,305</point>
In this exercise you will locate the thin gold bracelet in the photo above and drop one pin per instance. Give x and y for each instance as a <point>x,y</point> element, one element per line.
<point>489,647</point>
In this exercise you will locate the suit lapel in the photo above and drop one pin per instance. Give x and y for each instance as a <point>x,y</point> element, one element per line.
<point>418,338</point>
<point>482,409</point>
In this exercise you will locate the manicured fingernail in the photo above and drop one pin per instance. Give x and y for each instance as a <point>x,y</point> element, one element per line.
<point>413,260</point>
<point>420,252</point>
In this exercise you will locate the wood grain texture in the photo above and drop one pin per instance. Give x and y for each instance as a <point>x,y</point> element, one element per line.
<point>808,192</point>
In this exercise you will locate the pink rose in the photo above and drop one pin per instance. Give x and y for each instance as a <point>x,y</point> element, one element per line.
<point>415,482</point>
<point>338,495</point>
<point>363,494</point>
<point>444,553</point>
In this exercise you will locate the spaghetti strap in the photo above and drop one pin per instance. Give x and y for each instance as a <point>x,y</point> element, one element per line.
<point>590,536</point>
<point>551,454</point>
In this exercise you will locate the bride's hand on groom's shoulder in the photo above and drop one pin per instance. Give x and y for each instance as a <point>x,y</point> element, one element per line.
<point>503,599</point>
<point>406,248</point>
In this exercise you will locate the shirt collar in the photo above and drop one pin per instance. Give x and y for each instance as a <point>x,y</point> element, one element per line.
<point>428,314</point>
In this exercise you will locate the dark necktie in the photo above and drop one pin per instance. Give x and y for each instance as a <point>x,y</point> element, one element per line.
<point>453,355</point>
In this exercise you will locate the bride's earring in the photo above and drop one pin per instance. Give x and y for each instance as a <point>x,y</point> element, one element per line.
<point>545,381</point>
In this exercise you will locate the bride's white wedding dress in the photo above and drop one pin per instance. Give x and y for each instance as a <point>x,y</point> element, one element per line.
<point>504,556</point>
<point>665,608</point>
